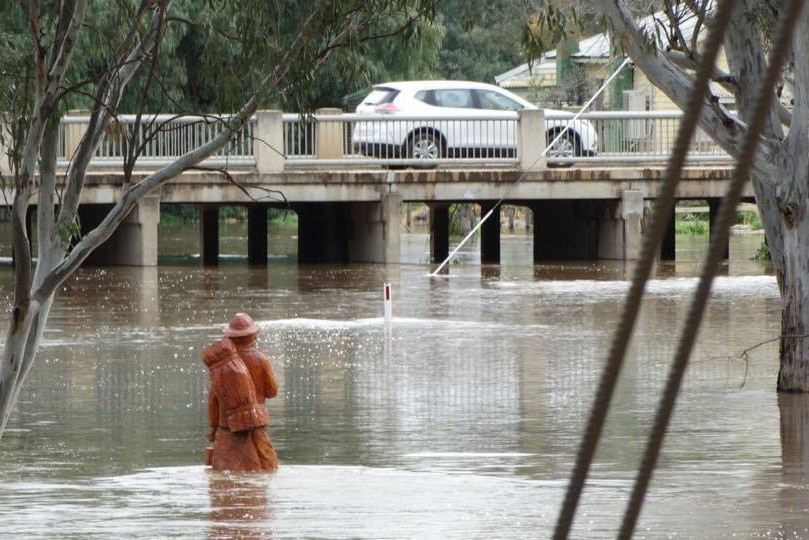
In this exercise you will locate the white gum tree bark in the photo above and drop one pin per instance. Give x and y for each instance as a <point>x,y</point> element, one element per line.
<point>780,176</point>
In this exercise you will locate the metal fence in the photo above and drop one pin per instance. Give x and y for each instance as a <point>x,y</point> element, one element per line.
<point>386,139</point>
<point>484,139</point>
<point>636,136</point>
<point>159,140</point>
<point>481,139</point>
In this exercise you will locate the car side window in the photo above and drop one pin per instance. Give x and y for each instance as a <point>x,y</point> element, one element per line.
<point>456,98</point>
<point>425,96</point>
<point>496,102</point>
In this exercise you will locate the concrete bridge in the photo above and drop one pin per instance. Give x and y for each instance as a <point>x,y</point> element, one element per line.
<point>349,205</point>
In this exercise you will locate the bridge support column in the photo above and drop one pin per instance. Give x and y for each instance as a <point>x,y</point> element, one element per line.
<point>321,232</point>
<point>565,229</point>
<point>209,234</point>
<point>257,234</point>
<point>375,230</point>
<point>134,243</point>
<point>713,217</point>
<point>490,234</point>
<point>669,244</point>
<point>439,232</point>
<point>620,234</point>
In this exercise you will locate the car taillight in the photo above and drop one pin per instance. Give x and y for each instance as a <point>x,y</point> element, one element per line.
<point>387,108</point>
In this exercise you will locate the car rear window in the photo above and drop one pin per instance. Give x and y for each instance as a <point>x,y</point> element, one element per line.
<point>425,96</point>
<point>379,96</point>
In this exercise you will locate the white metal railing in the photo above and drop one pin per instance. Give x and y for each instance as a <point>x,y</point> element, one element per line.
<point>483,138</point>
<point>160,140</point>
<point>634,136</point>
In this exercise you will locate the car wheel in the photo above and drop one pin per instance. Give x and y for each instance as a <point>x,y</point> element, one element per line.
<point>566,147</point>
<point>424,145</point>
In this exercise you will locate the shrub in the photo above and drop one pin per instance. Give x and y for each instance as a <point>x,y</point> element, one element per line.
<point>749,218</point>
<point>690,224</point>
<point>763,253</point>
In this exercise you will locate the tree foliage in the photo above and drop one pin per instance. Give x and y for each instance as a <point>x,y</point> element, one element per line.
<point>482,37</point>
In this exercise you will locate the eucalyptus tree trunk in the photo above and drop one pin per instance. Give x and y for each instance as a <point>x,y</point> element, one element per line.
<point>792,267</point>
<point>780,174</point>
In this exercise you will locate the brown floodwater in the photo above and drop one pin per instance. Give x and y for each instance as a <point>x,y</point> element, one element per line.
<point>459,419</point>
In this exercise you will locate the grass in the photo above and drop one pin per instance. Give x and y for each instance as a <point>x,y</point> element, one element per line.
<point>749,218</point>
<point>697,224</point>
<point>691,224</point>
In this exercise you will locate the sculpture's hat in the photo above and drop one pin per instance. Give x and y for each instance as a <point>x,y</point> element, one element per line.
<point>242,325</point>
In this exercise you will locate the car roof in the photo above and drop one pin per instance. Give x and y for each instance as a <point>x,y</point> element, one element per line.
<point>412,85</point>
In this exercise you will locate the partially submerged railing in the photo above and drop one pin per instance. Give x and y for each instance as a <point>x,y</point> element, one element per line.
<point>482,138</point>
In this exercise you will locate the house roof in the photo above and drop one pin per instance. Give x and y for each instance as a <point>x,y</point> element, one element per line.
<point>521,76</point>
<point>596,49</point>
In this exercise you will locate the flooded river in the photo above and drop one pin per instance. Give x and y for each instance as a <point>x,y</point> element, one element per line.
<point>462,420</point>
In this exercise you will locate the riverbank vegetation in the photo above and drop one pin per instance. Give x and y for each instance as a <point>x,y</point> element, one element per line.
<point>178,214</point>
<point>697,222</point>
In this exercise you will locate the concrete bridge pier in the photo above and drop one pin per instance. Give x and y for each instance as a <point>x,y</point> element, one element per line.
<point>668,246</point>
<point>209,234</point>
<point>589,229</point>
<point>621,231</point>
<point>713,216</point>
<point>439,232</point>
<point>490,233</point>
<point>134,243</point>
<point>375,230</point>
<point>350,231</point>
<point>257,229</point>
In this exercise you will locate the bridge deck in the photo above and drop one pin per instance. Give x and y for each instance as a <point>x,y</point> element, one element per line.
<point>422,185</point>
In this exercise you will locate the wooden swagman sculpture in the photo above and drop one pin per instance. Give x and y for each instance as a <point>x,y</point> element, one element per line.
<point>241,379</point>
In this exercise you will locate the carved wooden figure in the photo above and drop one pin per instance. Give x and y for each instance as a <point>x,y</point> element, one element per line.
<point>241,379</point>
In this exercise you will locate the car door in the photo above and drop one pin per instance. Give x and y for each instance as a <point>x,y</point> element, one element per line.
<point>497,134</point>
<point>458,102</point>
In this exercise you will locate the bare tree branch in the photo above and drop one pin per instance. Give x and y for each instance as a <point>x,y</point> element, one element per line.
<point>108,96</point>
<point>65,48</point>
<point>728,81</point>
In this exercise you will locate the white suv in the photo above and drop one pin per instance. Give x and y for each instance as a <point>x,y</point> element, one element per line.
<point>412,134</point>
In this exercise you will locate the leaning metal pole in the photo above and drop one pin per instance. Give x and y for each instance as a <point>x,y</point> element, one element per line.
<point>612,368</point>
<point>719,239</point>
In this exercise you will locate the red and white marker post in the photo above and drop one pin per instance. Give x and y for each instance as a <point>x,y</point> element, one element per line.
<point>388,300</point>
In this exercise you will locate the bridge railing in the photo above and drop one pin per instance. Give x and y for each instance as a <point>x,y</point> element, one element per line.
<point>645,136</point>
<point>159,140</point>
<point>483,138</point>
<point>362,139</point>
<point>272,141</point>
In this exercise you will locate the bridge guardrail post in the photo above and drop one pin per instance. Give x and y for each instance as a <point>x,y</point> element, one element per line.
<point>328,136</point>
<point>531,139</point>
<point>269,144</point>
<point>73,132</point>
